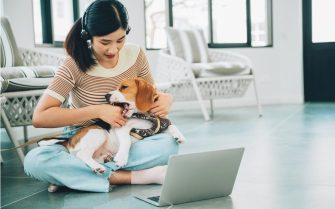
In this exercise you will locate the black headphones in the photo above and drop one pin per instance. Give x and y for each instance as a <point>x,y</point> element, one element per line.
<point>128,30</point>
<point>84,34</point>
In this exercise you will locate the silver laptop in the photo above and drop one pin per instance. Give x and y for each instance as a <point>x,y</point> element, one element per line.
<point>197,176</point>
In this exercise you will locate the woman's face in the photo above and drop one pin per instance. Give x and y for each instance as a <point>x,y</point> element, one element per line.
<point>106,48</point>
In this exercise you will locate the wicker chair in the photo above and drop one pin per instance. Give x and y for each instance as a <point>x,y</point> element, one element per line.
<point>187,80</point>
<point>25,73</point>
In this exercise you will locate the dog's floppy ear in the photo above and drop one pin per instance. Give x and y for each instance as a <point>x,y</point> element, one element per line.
<point>145,95</point>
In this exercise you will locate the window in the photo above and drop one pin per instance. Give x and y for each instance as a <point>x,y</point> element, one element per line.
<point>189,14</point>
<point>155,15</point>
<point>229,23</point>
<point>54,18</point>
<point>226,23</point>
<point>261,22</point>
<point>62,16</point>
<point>322,19</point>
<point>37,21</point>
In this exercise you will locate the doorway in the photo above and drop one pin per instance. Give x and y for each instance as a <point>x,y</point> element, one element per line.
<point>319,50</point>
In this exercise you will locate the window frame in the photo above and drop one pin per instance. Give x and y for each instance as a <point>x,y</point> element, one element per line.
<point>47,27</point>
<point>211,43</point>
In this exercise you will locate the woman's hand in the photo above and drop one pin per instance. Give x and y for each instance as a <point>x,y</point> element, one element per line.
<point>163,105</point>
<point>112,115</point>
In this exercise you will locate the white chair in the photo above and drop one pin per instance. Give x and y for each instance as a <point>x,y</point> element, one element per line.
<point>191,71</point>
<point>24,74</point>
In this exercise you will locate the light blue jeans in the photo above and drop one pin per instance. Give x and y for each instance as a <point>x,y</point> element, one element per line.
<point>55,165</point>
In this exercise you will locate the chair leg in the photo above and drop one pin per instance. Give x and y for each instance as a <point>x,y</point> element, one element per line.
<point>200,100</point>
<point>259,107</point>
<point>10,133</point>
<point>212,108</point>
<point>25,133</point>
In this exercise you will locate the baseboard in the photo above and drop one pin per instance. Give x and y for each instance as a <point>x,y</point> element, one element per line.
<point>236,102</point>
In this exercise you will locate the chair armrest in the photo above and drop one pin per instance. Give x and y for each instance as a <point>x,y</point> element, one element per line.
<point>224,56</point>
<point>25,78</point>
<point>163,86</point>
<point>171,68</point>
<point>33,57</point>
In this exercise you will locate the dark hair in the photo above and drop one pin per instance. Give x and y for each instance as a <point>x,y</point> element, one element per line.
<point>100,18</point>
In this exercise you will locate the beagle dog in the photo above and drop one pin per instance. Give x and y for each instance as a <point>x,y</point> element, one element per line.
<point>100,143</point>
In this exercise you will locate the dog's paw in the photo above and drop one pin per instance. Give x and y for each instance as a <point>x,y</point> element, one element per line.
<point>98,169</point>
<point>180,139</point>
<point>120,159</point>
<point>176,134</point>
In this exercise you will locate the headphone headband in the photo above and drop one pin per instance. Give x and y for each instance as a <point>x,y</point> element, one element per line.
<point>84,33</point>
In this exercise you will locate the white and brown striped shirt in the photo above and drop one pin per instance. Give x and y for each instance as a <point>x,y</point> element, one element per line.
<point>90,88</point>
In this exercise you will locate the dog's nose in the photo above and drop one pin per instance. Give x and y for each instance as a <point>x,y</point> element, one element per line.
<point>108,96</point>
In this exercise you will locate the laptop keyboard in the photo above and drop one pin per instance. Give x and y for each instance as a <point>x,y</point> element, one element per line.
<point>155,198</point>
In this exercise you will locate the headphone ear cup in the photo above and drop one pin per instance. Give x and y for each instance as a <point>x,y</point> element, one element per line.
<point>128,30</point>
<point>84,34</point>
<point>89,44</point>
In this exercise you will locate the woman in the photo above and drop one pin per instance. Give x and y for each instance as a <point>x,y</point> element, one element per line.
<point>98,61</point>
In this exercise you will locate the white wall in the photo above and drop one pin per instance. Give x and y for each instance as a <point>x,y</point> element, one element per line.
<point>278,68</point>
<point>1,8</point>
<point>20,14</point>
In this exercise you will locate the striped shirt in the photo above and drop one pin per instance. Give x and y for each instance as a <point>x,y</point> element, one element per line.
<point>90,88</point>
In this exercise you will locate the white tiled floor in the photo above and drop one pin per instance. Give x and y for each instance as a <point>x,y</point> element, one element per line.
<point>288,162</point>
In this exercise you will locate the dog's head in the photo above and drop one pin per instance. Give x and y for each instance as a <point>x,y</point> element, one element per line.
<point>137,91</point>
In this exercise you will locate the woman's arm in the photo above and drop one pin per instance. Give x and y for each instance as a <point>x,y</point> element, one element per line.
<point>163,105</point>
<point>49,114</point>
